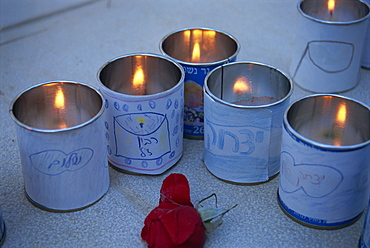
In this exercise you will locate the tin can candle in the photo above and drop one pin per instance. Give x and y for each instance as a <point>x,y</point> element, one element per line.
<point>198,50</point>
<point>244,103</point>
<point>144,99</point>
<point>365,236</point>
<point>62,144</point>
<point>325,161</point>
<point>329,44</point>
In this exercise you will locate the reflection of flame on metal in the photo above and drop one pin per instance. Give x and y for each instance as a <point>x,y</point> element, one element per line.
<point>340,122</point>
<point>187,35</point>
<point>203,44</point>
<point>138,80</point>
<point>242,86</point>
<point>59,104</point>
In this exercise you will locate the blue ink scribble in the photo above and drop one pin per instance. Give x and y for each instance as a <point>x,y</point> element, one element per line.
<point>55,162</point>
<point>116,105</point>
<point>125,107</point>
<point>169,103</point>
<point>146,135</point>
<point>315,180</point>
<point>152,104</point>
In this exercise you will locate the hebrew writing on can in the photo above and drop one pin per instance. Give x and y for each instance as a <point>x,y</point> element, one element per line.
<point>315,180</point>
<point>55,162</point>
<point>239,140</point>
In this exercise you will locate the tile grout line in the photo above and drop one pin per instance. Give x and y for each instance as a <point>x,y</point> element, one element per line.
<point>38,18</point>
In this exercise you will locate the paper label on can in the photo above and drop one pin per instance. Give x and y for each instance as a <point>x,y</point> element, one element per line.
<point>194,99</point>
<point>237,142</point>
<point>320,186</point>
<point>144,135</point>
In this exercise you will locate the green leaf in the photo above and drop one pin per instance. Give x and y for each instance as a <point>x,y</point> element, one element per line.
<point>211,216</point>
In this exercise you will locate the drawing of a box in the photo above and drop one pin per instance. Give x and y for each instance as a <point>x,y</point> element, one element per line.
<point>142,136</point>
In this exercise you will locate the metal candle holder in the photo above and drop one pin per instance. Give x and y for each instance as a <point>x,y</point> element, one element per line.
<point>198,50</point>
<point>144,99</point>
<point>325,161</point>
<point>62,145</point>
<point>244,103</point>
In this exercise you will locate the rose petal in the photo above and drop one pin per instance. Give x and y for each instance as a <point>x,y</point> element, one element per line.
<point>153,232</point>
<point>183,222</point>
<point>175,189</point>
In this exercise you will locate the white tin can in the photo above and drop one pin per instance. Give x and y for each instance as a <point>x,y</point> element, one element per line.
<point>244,103</point>
<point>329,44</point>
<point>144,101</point>
<point>60,130</point>
<point>324,174</point>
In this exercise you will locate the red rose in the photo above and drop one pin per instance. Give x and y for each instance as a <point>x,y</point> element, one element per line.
<point>175,222</point>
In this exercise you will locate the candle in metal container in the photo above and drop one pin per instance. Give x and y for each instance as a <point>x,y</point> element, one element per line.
<point>244,104</point>
<point>198,50</point>
<point>62,144</point>
<point>324,161</point>
<point>329,44</point>
<point>144,102</point>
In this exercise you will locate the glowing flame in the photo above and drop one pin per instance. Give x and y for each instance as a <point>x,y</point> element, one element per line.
<point>59,99</point>
<point>331,5</point>
<point>139,80</point>
<point>341,115</point>
<point>59,104</point>
<point>340,122</point>
<point>195,57</point>
<point>242,86</point>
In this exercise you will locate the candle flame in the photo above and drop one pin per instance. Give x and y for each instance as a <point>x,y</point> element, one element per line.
<point>195,57</point>
<point>59,104</point>
<point>341,115</point>
<point>59,99</point>
<point>139,80</point>
<point>331,5</point>
<point>242,86</point>
<point>340,122</point>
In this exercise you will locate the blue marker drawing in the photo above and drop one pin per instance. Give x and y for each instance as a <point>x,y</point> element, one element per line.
<point>55,162</point>
<point>142,136</point>
<point>327,55</point>
<point>315,180</point>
